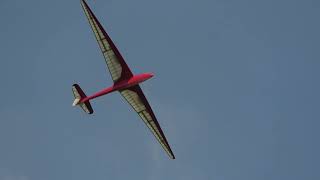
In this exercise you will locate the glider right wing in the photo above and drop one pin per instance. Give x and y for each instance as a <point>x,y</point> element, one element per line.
<point>118,68</point>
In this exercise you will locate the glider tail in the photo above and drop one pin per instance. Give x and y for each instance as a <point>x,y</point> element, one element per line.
<point>79,95</point>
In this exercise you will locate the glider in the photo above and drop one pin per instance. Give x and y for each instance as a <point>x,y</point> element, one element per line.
<point>124,81</point>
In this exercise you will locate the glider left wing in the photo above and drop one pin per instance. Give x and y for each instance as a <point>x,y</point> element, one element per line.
<point>118,68</point>
<point>135,97</point>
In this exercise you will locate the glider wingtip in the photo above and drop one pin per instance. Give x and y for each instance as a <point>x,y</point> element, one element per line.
<point>172,156</point>
<point>83,2</point>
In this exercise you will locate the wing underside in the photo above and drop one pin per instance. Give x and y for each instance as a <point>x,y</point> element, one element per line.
<point>117,66</point>
<point>135,97</point>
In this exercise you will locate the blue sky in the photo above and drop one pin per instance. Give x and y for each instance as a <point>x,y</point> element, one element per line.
<point>236,90</point>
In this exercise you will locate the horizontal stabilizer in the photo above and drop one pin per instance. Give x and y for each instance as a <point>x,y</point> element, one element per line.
<point>79,95</point>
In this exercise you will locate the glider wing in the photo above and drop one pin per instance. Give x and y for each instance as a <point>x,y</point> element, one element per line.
<point>135,97</point>
<point>118,68</point>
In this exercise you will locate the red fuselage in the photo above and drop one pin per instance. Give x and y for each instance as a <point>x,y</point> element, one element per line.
<point>134,80</point>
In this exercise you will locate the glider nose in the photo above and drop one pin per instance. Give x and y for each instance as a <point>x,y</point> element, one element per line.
<point>151,75</point>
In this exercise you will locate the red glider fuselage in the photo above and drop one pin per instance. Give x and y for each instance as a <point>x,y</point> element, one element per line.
<point>134,80</point>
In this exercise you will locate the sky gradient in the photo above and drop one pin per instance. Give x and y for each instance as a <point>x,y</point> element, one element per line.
<point>236,90</point>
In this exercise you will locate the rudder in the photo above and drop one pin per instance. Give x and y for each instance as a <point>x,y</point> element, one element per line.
<point>79,95</point>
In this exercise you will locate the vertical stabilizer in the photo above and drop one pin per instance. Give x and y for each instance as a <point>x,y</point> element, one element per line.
<point>79,95</point>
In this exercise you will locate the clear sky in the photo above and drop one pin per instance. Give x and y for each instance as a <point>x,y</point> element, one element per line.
<point>236,90</point>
